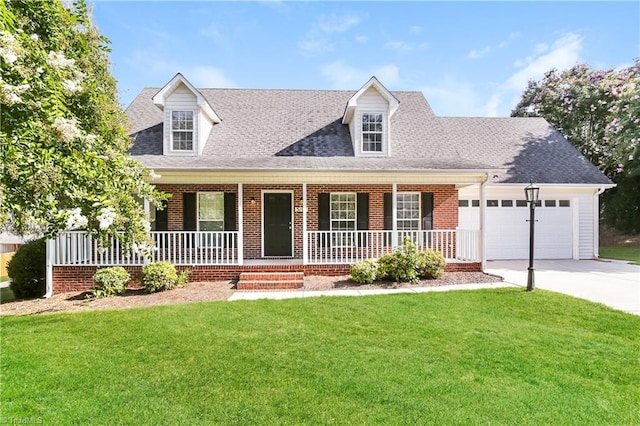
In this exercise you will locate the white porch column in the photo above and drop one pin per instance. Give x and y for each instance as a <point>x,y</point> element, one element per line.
<point>240,226</point>
<point>305,237</point>
<point>50,252</point>
<point>483,223</point>
<point>394,215</point>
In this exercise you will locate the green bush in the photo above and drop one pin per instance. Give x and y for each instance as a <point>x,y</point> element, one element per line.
<point>364,272</point>
<point>27,269</point>
<point>402,265</point>
<point>161,276</point>
<point>431,264</point>
<point>110,281</point>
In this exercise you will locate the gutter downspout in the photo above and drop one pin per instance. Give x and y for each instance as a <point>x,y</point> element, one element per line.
<point>483,223</point>
<point>49,269</point>
<point>596,222</point>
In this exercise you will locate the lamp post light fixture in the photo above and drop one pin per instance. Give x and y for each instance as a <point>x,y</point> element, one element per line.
<point>531,193</point>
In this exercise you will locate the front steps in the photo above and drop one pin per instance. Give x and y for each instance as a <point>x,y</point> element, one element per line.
<point>270,280</point>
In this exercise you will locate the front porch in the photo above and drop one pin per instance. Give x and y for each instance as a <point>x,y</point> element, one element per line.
<point>75,256</point>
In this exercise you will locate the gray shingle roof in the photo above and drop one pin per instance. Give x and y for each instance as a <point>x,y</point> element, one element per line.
<point>527,148</point>
<point>301,129</point>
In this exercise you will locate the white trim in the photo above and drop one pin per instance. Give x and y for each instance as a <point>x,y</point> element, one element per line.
<point>160,97</point>
<point>394,215</point>
<point>305,236</point>
<point>575,218</point>
<point>277,191</point>
<point>596,221</point>
<point>50,254</point>
<point>483,223</point>
<point>383,139</point>
<point>194,133</point>
<point>353,101</point>
<point>240,225</point>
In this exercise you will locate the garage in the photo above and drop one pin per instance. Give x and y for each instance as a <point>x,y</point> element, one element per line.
<point>507,226</point>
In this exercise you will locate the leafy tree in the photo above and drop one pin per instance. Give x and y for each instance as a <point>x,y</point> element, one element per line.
<point>63,142</point>
<point>599,113</point>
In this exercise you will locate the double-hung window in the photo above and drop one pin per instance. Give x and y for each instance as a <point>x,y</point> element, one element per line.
<point>182,130</point>
<point>408,211</point>
<point>211,217</point>
<point>343,218</point>
<point>371,132</point>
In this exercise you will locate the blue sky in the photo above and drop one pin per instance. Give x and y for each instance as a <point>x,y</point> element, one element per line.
<point>468,58</point>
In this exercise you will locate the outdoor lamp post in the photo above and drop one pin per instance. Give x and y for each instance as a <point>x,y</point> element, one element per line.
<point>531,193</point>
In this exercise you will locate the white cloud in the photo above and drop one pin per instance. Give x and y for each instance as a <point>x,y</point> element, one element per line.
<point>415,29</point>
<point>564,53</point>
<point>342,76</point>
<point>211,31</point>
<point>404,46</point>
<point>475,54</point>
<point>336,23</point>
<point>361,38</point>
<point>206,76</point>
<point>317,39</point>
<point>452,97</point>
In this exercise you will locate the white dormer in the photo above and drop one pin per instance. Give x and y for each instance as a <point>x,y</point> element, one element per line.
<point>188,117</point>
<point>368,114</point>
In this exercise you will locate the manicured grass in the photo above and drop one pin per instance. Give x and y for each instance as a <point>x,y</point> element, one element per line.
<point>632,254</point>
<point>468,357</point>
<point>6,295</point>
<point>3,279</point>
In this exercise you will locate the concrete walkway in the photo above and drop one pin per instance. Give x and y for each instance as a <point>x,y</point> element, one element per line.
<point>296,294</point>
<point>610,282</point>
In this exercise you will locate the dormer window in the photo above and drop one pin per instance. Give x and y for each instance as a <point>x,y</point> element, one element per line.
<point>371,132</point>
<point>182,130</point>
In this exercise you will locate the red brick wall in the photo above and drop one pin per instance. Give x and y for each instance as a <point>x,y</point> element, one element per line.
<point>78,278</point>
<point>445,213</point>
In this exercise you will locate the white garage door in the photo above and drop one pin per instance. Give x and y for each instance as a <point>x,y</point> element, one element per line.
<point>507,223</point>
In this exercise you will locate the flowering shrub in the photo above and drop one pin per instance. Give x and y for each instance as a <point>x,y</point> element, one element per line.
<point>110,282</point>
<point>364,272</point>
<point>64,143</point>
<point>599,113</point>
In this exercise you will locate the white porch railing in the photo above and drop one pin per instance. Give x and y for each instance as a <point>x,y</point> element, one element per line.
<point>340,247</point>
<point>178,247</point>
<point>221,248</point>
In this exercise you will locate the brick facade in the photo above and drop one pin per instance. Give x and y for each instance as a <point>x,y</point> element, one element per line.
<point>445,216</point>
<point>78,278</point>
<point>445,211</point>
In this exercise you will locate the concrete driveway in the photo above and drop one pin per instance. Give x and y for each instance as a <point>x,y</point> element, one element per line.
<point>610,282</point>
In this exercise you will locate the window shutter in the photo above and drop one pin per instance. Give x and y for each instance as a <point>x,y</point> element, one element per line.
<point>162,218</point>
<point>189,214</point>
<point>388,211</point>
<point>324,223</point>
<point>427,211</point>
<point>230,211</point>
<point>362,223</point>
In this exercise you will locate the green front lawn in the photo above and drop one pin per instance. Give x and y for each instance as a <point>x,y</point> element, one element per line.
<point>632,254</point>
<point>467,357</point>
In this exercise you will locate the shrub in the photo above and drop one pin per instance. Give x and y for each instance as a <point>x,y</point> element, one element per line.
<point>402,265</point>
<point>161,276</point>
<point>110,281</point>
<point>27,269</point>
<point>431,264</point>
<point>364,272</point>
